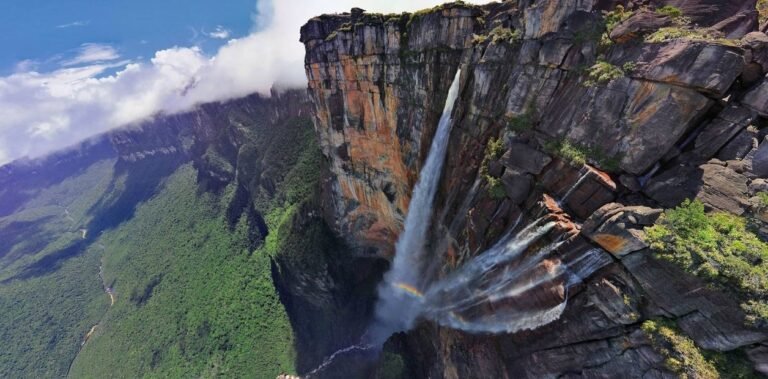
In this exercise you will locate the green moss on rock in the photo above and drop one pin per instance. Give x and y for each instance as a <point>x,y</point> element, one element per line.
<point>719,248</point>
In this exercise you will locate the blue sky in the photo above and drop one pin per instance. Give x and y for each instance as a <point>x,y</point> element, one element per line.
<point>44,33</point>
<point>72,69</point>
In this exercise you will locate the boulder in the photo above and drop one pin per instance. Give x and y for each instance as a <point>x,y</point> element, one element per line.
<point>719,187</point>
<point>524,158</point>
<point>619,229</point>
<point>517,185</point>
<point>704,66</point>
<point>757,44</point>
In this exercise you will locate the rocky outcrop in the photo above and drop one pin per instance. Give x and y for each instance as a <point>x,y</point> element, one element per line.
<point>712,13</point>
<point>708,68</point>
<point>639,24</point>
<point>598,138</point>
<point>717,185</point>
<point>619,229</point>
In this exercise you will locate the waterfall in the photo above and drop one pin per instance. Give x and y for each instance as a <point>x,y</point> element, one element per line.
<point>502,292</point>
<point>508,288</point>
<point>399,294</point>
<point>584,174</point>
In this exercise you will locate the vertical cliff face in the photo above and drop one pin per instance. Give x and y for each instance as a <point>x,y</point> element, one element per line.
<point>615,115</point>
<point>378,93</point>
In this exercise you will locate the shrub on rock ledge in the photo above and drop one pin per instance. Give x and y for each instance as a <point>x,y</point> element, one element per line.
<point>717,247</point>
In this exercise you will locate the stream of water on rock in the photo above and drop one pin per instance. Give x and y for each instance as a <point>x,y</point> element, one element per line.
<point>400,303</point>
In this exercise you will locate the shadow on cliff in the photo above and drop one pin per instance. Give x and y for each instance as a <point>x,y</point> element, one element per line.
<point>328,293</point>
<point>26,236</point>
<point>132,184</point>
<point>20,181</point>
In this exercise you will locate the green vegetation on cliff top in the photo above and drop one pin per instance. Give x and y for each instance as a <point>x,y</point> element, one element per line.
<point>718,247</point>
<point>686,360</point>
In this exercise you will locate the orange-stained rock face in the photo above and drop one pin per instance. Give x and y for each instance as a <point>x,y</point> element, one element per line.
<point>611,243</point>
<point>377,105</point>
<point>564,224</point>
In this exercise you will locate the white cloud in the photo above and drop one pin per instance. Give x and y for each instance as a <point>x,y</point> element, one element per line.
<point>42,112</point>
<point>73,24</point>
<point>92,53</point>
<point>26,65</point>
<point>220,33</point>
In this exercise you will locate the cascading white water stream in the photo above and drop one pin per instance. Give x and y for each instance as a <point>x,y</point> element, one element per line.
<point>396,310</point>
<point>584,175</point>
<point>502,275</point>
<point>400,297</point>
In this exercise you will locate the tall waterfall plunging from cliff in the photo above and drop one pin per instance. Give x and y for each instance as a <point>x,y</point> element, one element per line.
<point>512,286</point>
<point>515,285</point>
<point>396,309</point>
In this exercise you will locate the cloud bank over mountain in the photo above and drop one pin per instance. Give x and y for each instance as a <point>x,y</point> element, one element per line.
<point>98,90</point>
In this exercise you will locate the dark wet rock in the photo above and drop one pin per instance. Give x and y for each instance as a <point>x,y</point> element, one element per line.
<point>674,185</point>
<point>524,158</point>
<point>581,190</point>
<point>738,148</point>
<point>706,67</point>
<point>595,359</point>
<point>630,182</point>
<point>721,130</point>
<point>760,160</point>
<point>495,168</point>
<point>757,98</point>
<point>517,185</point>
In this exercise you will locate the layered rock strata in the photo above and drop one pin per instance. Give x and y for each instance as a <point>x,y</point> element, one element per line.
<point>612,130</point>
